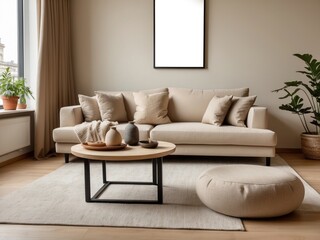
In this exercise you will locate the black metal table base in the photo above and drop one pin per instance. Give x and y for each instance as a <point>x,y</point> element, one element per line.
<point>156,180</point>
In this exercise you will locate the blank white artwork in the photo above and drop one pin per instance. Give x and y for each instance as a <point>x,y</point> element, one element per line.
<point>179,33</point>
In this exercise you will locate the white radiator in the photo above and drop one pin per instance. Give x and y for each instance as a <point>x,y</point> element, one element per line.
<point>15,134</point>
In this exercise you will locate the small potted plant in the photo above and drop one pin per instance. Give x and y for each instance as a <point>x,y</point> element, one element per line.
<point>9,90</point>
<point>12,89</point>
<point>24,92</point>
<point>309,88</point>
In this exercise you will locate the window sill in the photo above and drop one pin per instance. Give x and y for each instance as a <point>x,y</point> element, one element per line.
<point>13,113</point>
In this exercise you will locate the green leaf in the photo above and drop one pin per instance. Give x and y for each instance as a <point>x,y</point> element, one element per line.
<point>293,83</point>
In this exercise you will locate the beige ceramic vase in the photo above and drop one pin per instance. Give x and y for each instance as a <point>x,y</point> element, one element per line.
<point>113,137</point>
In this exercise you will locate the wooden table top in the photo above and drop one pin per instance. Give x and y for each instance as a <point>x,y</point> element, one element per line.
<point>130,153</point>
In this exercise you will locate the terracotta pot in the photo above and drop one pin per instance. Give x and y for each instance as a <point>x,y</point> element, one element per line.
<point>310,145</point>
<point>10,103</point>
<point>21,106</point>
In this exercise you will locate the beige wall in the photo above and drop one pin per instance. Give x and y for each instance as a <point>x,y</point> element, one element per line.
<point>249,43</point>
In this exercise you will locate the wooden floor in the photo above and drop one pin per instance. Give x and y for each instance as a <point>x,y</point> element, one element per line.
<point>297,225</point>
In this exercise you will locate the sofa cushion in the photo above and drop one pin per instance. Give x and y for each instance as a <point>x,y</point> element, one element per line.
<point>151,108</point>
<point>111,107</point>
<point>90,108</point>
<point>199,133</point>
<point>217,110</point>
<point>189,105</point>
<point>128,99</point>
<point>239,109</point>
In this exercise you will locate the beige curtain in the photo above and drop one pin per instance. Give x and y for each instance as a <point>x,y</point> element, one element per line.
<point>55,76</point>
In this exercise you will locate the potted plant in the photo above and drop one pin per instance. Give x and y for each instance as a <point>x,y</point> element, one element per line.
<point>11,89</point>
<point>295,91</point>
<point>24,92</point>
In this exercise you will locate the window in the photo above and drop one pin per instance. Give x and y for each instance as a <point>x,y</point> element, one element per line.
<point>11,37</point>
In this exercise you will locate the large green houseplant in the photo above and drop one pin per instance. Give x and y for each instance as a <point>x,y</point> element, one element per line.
<point>304,100</point>
<point>11,89</point>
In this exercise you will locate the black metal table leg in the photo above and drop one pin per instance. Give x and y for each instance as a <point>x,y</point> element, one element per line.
<point>104,172</point>
<point>87,183</point>
<point>154,171</point>
<point>156,180</point>
<point>160,188</point>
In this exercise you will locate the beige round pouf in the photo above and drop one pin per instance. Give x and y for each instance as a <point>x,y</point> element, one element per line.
<point>250,191</point>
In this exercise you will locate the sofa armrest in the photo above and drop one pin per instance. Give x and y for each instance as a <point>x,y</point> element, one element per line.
<point>257,117</point>
<point>70,116</point>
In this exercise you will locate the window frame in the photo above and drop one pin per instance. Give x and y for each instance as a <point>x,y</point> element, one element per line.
<point>20,38</point>
<point>20,47</point>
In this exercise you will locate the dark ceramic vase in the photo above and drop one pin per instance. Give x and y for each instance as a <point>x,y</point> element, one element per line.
<point>131,134</point>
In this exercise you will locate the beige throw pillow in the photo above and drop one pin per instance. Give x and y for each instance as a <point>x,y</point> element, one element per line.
<point>90,108</point>
<point>239,110</point>
<point>111,107</point>
<point>217,110</point>
<point>151,108</point>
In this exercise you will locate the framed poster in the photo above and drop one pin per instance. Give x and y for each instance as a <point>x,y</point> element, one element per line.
<point>179,33</point>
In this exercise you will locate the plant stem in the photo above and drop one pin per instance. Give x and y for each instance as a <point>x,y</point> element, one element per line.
<point>305,126</point>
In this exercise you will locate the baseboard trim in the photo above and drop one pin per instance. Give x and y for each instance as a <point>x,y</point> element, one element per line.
<point>288,150</point>
<point>15,159</point>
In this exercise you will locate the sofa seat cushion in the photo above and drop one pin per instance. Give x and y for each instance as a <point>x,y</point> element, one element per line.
<point>144,130</point>
<point>200,133</point>
<point>65,135</point>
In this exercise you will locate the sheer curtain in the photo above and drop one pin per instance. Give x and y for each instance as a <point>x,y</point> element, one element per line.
<point>55,83</point>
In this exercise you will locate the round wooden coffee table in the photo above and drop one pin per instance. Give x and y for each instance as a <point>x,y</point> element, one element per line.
<point>130,153</point>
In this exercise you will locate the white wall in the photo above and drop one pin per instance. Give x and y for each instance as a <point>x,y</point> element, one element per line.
<point>249,43</point>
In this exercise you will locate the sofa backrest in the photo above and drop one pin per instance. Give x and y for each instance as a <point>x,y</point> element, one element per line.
<point>185,105</point>
<point>189,105</point>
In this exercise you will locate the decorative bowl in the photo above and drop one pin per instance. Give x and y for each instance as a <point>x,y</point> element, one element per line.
<point>96,144</point>
<point>148,144</point>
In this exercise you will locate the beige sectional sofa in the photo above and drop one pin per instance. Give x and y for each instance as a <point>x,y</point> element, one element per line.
<point>185,109</point>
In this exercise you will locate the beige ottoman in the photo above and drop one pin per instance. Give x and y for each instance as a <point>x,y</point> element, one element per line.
<point>250,191</point>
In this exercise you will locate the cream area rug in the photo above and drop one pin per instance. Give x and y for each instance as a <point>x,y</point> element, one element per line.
<point>58,198</point>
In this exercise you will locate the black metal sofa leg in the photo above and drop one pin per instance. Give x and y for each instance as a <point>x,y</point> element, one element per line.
<point>268,161</point>
<point>66,157</point>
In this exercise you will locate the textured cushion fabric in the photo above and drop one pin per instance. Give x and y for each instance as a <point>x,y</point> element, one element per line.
<point>128,99</point>
<point>130,103</point>
<point>65,135</point>
<point>239,109</point>
<point>144,130</point>
<point>111,107</point>
<point>200,133</point>
<point>257,117</point>
<point>217,110</point>
<point>151,108</point>
<point>70,116</point>
<point>189,105</point>
<point>90,108</point>
<point>250,191</point>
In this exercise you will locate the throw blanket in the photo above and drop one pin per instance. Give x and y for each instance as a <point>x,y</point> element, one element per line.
<point>94,131</point>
